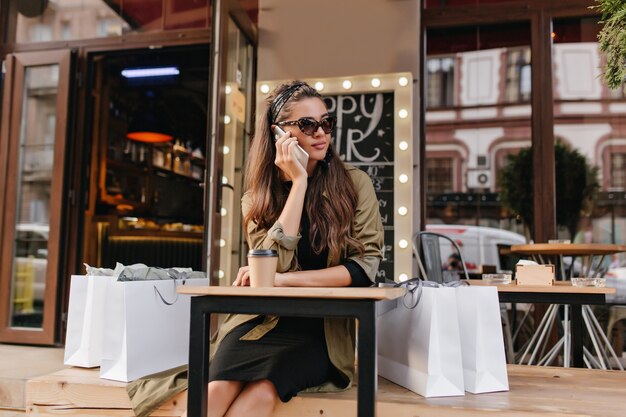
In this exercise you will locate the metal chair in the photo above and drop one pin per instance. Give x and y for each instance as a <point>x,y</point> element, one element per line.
<point>428,242</point>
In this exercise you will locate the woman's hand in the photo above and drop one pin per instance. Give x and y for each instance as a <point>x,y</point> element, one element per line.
<point>243,277</point>
<point>286,158</point>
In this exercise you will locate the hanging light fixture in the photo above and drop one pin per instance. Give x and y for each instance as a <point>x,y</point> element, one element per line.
<point>149,125</point>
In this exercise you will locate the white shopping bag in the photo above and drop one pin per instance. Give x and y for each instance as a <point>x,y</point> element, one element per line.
<point>146,329</point>
<point>419,347</point>
<point>85,318</point>
<point>482,343</point>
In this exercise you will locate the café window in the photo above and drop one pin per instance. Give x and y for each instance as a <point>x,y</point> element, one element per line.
<point>40,33</point>
<point>439,175</point>
<point>618,170</point>
<point>109,27</point>
<point>48,21</point>
<point>66,30</point>
<point>518,80</point>
<point>440,82</point>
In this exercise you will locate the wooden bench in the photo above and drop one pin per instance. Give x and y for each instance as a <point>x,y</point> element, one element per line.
<point>534,391</point>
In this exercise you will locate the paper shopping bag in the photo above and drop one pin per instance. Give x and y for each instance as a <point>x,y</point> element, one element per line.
<point>418,343</point>
<point>482,343</point>
<point>146,329</point>
<point>83,340</point>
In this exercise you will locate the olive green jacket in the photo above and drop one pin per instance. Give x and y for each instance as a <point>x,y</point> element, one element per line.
<point>148,393</point>
<point>340,332</point>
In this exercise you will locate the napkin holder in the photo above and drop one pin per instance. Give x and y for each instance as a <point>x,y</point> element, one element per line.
<point>542,275</point>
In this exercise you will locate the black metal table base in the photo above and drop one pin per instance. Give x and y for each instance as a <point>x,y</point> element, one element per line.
<point>203,306</point>
<point>575,300</point>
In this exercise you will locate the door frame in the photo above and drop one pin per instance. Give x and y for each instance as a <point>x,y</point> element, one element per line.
<point>223,10</point>
<point>11,126</point>
<point>83,159</point>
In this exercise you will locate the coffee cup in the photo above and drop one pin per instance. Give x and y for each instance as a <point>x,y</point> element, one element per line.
<point>263,263</point>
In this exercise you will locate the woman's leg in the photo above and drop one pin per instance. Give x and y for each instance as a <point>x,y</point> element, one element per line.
<point>257,399</point>
<point>221,396</point>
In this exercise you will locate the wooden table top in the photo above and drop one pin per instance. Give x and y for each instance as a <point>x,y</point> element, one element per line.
<point>373,293</point>
<point>560,287</point>
<point>568,249</point>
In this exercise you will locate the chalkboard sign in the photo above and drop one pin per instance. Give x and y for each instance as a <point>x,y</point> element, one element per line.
<point>364,137</point>
<point>374,133</point>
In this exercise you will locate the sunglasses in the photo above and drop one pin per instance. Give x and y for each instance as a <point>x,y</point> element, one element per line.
<point>310,126</point>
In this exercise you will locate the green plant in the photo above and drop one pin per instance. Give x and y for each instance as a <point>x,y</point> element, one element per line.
<point>516,187</point>
<point>576,186</point>
<point>612,38</point>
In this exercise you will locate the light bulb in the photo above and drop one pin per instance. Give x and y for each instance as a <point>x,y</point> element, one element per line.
<point>226,150</point>
<point>319,86</point>
<point>347,84</point>
<point>402,211</point>
<point>404,145</point>
<point>222,243</point>
<point>224,180</point>
<point>403,113</point>
<point>403,277</point>
<point>220,274</point>
<point>375,82</point>
<point>265,88</point>
<point>228,89</point>
<point>226,119</point>
<point>403,178</point>
<point>403,81</point>
<point>223,211</point>
<point>403,243</point>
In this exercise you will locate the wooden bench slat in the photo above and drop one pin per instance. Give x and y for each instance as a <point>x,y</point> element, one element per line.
<point>534,391</point>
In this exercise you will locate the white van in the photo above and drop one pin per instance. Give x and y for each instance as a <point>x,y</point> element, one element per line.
<point>480,245</point>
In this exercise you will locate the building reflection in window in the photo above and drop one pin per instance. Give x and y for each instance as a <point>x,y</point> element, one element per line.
<point>518,82</point>
<point>440,82</point>
<point>589,120</point>
<point>88,19</point>
<point>478,81</point>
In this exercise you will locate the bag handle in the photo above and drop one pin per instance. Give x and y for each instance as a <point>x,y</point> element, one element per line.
<point>161,296</point>
<point>174,275</point>
<point>415,285</point>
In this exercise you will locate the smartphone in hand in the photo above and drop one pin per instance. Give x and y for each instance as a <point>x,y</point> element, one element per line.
<point>300,153</point>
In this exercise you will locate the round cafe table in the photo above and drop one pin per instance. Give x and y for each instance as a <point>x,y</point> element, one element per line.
<point>590,254</point>
<point>545,253</point>
<point>576,249</point>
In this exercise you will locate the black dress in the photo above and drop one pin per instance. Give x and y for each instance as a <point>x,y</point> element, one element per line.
<point>293,355</point>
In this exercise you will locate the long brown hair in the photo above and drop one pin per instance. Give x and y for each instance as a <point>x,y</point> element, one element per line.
<point>331,198</point>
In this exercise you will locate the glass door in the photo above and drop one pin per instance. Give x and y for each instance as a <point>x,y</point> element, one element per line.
<point>33,139</point>
<point>233,50</point>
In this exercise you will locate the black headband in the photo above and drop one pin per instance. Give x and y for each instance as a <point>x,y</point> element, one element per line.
<point>280,101</point>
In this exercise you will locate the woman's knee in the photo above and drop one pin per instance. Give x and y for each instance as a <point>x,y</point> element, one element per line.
<point>224,389</point>
<point>263,392</point>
